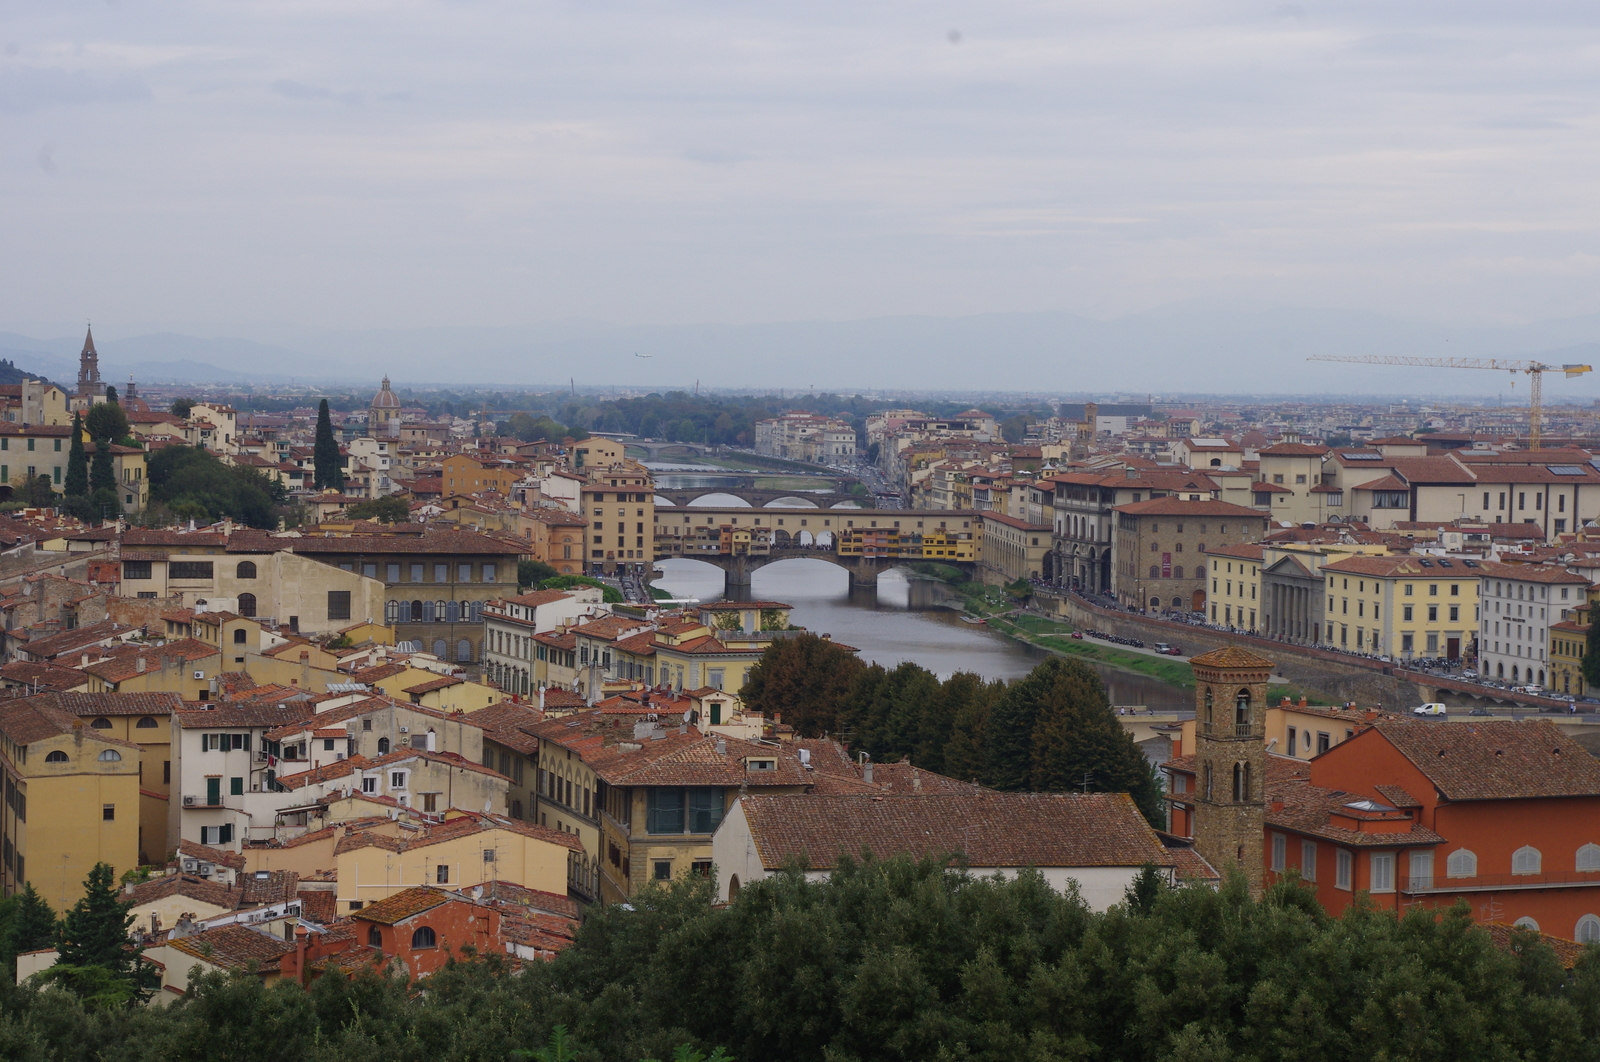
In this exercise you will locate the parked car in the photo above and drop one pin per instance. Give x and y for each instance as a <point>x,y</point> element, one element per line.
<point>1480,711</point>
<point>1469,675</point>
<point>1170,650</point>
<point>1535,689</point>
<point>1431,708</point>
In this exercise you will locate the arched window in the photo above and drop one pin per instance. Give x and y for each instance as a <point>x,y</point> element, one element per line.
<point>1208,704</point>
<point>1177,573</point>
<point>101,723</point>
<point>1526,860</point>
<point>1526,923</point>
<point>1588,931</point>
<point>111,756</point>
<point>391,612</point>
<point>516,809</point>
<point>452,612</point>
<point>1155,571</point>
<point>57,757</point>
<point>441,649</point>
<point>423,937</point>
<point>464,651</point>
<point>145,723</point>
<point>1463,863</point>
<point>374,937</point>
<point>1208,781</point>
<point>1241,709</point>
<point>477,611</point>
<point>1177,602</point>
<point>383,746</point>
<point>733,888</point>
<point>1589,857</point>
<point>416,612</point>
<point>239,636</point>
<point>1241,782</point>
<point>247,604</point>
<point>246,570</point>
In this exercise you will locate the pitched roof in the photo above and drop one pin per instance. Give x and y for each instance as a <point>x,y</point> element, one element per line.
<point>989,829</point>
<point>1232,656</point>
<point>404,904</point>
<point>1497,759</point>
<point>168,885</point>
<point>234,947</point>
<point>1179,507</point>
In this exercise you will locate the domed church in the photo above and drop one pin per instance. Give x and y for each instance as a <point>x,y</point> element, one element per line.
<point>383,416</point>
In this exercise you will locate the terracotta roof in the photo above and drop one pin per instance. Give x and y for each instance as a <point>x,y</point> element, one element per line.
<point>1508,938</point>
<point>536,598</point>
<point>28,719</point>
<point>211,855</point>
<point>318,905</point>
<point>1232,656</point>
<point>43,676</point>
<point>235,947</point>
<point>168,885</point>
<point>503,723</point>
<point>269,886</point>
<point>76,639</point>
<point>233,716</point>
<point>1497,759</point>
<point>1251,552</point>
<point>1179,507</point>
<point>403,905</point>
<point>989,829</point>
<point>1307,809</point>
<point>433,684</point>
<point>95,704</point>
<point>1532,573</point>
<point>498,891</point>
<point>1293,450</point>
<point>456,542</point>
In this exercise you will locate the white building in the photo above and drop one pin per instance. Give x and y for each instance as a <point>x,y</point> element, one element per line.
<point>1516,605</point>
<point>509,627</point>
<point>1097,840</point>
<point>806,437</point>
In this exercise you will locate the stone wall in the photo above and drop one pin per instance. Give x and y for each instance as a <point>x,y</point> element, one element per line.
<point>1330,676</point>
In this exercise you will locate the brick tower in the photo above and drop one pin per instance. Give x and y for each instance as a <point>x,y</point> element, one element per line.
<point>90,386</point>
<point>1230,759</point>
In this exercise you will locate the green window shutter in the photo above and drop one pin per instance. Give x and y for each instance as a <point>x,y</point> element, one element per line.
<point>236,786</point>
<point>213,790</point>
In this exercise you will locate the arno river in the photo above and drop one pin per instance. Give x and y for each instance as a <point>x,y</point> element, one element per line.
<point>903,620</point>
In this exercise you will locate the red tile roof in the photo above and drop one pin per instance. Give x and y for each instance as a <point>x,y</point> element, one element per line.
<point>1496,759</point>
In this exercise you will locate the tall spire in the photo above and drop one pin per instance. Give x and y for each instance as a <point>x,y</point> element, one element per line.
<point>89,383</point>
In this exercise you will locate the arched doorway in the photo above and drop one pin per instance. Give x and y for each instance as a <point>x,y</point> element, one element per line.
<point>1198,602</point>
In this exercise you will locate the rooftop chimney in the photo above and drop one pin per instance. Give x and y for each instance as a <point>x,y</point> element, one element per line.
<point>722,745</point>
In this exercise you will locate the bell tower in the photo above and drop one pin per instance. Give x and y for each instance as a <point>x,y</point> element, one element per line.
<point>1230,759</point>
<point>90,385</point>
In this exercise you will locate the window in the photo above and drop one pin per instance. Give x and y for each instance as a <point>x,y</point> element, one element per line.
<point>430,801</point>
<point>1589,857</point>
<point>246,570</point>
<point>464,651</point>
<point>700,868</point>
<point>236,787</point>
<point>214,835</point>
<point>338,604</point>
<point>441,573</point>
<point>705,809</point>
<point>189,569</point>
<point>464,573</point>
<point>488,855</point>
<point>1526,860</point>
<point>416,573</point>
<point>374,936</point>
<point>1382,867</point>
<point>1422,870</point>
<point>664,810</point>
<point>488,573</point>
<point>1292,739</point>
<point>1462,863</point>
<point>1526,923</point>
<point>1308,860</point>
<point>441,874</point>
<point>423,937</point>
<point>1588,931</point>
<point>391,572</point>
<point>1280,847</point>
<point>247,607</point>
<point>111,756</point>
<point>101,723</point>
<point>57,757</point>
<point>663,870</point>
<point>1342,869</point>
<point>397,779</point>
<point>108,813</point>
<point>136,570</point>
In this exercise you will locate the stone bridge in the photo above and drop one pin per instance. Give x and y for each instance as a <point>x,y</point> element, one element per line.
<point>762,497</point>
<point>863,571</point>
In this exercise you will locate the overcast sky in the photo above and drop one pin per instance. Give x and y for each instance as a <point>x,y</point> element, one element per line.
<point>222,167</point>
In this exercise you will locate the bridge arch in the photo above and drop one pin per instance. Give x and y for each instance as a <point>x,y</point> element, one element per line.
<point>791,502</point>
<point>660,501</point>
<point>719,500</point>
<point>845,505</point>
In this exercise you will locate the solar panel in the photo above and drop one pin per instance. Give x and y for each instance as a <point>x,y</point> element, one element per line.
<point>1362,457</point>
<point>1565,470</point>
<point>1426,563</point>
<point>1470,564</point>
<point>1445,564</point>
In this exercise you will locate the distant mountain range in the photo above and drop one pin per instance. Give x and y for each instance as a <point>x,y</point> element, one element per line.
<point>1180,349</point>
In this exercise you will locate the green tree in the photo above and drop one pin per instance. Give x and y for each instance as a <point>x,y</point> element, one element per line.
<point>804,678</point>
<point>181,407</point>
<point>888,712</point>
<point>106,420</point>
<point>102,471</point>
<point>1146,889</point>
<point>37,492</point>
<point>77,483</point>
<point>390,510</point>
<point>192,483</point>
<point>28,925</point>
<point>969,700</point>
<point>1008,733</point>
<point>609,594</point>
<point>111,395</point>
<point>1591,653</point>
<point>531,573</point>
<point>94,934</point>
<point>326,470</point>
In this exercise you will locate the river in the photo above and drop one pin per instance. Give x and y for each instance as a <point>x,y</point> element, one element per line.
<point>902,620</point>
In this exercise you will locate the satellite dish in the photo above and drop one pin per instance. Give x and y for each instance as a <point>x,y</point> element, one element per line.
<point>686,714</point>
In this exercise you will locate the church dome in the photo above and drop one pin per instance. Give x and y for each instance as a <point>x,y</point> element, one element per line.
<point>385,398</point>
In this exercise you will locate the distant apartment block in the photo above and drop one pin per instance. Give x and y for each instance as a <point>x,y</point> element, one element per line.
<point>806,437</point>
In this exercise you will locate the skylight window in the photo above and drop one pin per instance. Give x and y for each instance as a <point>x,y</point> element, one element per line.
<point>1565,470</point>
<point>1362,457</point>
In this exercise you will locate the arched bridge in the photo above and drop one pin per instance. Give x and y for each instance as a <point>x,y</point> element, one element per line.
<point>740,540</point>
<point>760,497</point>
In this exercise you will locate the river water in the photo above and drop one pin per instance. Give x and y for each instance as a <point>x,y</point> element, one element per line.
<point>902,620</point>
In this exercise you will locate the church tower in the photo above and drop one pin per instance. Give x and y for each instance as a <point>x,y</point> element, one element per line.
<point>90,386</point>
<point>1230,759</point>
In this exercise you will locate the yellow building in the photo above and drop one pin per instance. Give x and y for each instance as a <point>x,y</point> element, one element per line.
<point>469,474</point>
<point>1235,597</point>
<point>620,506</point>
<point>596,452</point>
<point>1400,607</point>
<point>465,850</point>
<point>71,801</point>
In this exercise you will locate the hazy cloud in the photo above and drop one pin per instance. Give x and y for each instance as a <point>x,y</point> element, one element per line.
<point>30,88</point>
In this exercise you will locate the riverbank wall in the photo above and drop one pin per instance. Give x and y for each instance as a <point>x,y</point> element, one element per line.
<point>1332,676</point>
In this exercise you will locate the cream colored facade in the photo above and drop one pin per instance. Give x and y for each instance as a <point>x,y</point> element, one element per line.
<point>372,872</point>
<point>284,586</point>
<point>1400,607</point>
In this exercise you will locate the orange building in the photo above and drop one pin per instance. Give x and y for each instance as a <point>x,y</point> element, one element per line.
<point>1504,815</point>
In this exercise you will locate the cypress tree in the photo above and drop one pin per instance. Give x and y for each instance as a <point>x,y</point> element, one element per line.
<point>102,475</point>
<point>32,926</point>
<point>111,394</point>
<point>325,455</point>
<point>77,484</point>
<point>1008,734</point>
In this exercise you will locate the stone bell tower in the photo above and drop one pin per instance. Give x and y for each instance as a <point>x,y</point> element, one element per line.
<point>1230,759</point>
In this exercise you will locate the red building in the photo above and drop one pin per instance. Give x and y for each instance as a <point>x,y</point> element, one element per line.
<point>1504,815</point>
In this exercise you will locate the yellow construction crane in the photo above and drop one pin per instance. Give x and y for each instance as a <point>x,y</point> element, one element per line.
<point>1534,369</point>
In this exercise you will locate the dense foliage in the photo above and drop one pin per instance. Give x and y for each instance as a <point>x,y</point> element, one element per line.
<point>327,472</point>
<point>390,510</point>
<point>531,573</point>
<point>189,482</point>
<point>1051,731</point>
<point>899,961</point>
<point>609,594</point>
